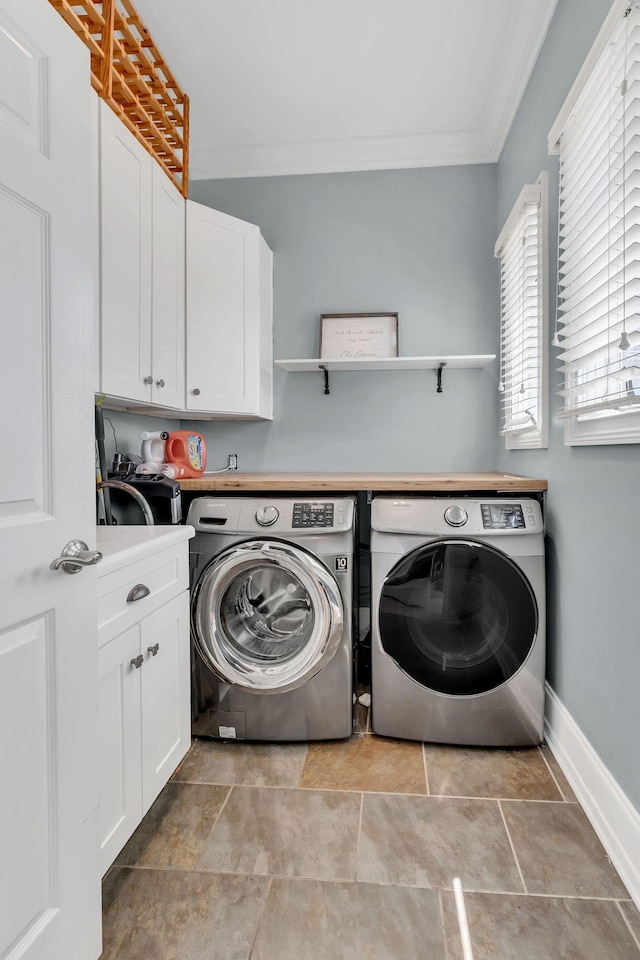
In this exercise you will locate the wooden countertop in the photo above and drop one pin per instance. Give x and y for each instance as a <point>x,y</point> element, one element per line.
<point>396,482</point>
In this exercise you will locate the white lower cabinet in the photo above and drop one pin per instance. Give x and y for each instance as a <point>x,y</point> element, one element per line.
<point>144,696</point>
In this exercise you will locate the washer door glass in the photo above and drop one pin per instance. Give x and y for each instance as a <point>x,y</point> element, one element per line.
<point>266,616</point>
<point>458,617</point>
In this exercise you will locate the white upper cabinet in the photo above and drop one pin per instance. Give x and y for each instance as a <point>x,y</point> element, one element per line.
<point>142,272</point>
<point>229,317</point>
<point>168,273</point>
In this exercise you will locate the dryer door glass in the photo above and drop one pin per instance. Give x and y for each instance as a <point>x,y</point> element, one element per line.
<point>267,616</point>
<point>458,617</point>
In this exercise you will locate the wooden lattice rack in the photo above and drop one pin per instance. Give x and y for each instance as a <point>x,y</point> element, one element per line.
<point>129,73</point>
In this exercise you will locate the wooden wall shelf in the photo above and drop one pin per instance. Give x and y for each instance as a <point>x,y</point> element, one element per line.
<point>437,363</point>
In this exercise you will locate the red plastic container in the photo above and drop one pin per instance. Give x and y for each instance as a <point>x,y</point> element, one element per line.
<point>187,451</point>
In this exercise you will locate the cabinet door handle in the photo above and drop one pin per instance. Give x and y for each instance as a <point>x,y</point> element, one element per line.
<point>148,380</point>
<point>154,649</point>
<point>196,391</point>
<point>159,383</point>
<point>137,661</point>
<point>139,592</point>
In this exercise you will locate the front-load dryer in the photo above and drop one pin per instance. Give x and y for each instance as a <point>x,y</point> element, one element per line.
<point>271,617</point>
<point>458,620</point>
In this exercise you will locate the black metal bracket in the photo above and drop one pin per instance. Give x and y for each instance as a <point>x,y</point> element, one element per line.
<point>439,376</point>
<point>326,378</point>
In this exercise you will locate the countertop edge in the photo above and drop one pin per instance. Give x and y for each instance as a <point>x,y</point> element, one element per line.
<point>400,482</point>
<point>125,544</point>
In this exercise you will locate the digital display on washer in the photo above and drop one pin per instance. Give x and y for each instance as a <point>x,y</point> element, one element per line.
<point>502,516</point>
<point>312,515</point>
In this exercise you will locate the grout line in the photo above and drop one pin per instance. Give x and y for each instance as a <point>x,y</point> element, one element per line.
<point>443,925</point>
<point>372,883</point>
<point>513,849</point>
<point>426,774</point>
<point>260,916</point>
<point>553,776</point>
<point>628,924</point>
<point>359,834</point>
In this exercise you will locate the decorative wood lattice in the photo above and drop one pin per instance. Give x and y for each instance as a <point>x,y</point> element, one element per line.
<point>129,73</point>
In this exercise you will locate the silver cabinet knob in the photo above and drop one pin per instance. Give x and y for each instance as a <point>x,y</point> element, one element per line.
<point>137,661</point>
<point>196,392</point>
<point>148,381</point>
<point>159,383</point>
<point>75,556</point>
<point>154,649</point>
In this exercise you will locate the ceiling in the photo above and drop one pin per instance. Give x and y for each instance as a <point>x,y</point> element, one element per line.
<point>313,86</point>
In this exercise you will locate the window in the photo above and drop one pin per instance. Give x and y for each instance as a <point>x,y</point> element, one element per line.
<point>597,136</point>
<point>522,250</point>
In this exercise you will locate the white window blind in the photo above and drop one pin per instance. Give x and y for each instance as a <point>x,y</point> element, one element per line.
<point>598,320</point>
<point>521,250</point>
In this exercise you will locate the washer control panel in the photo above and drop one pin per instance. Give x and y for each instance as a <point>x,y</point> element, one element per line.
<point>312,515</point>
<point>502,516</point>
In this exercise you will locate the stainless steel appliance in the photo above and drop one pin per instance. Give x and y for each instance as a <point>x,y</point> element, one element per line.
<point>271,615</point>
<point>458,620</point>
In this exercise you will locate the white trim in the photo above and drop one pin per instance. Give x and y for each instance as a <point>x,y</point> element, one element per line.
<point>618,7</point>
<point>613,817</point>
<point>530,193</point>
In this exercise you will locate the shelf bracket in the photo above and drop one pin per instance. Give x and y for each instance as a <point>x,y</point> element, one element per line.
<point>439,376</point>
<point>326,378</point>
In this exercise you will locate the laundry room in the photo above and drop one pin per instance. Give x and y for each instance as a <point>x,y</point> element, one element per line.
<point>267,776</point>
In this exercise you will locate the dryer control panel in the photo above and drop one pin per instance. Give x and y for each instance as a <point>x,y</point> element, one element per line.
<point>312,515</point>
<point>502,516</point>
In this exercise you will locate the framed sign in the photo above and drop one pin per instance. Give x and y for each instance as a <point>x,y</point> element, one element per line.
<point>358,336</point>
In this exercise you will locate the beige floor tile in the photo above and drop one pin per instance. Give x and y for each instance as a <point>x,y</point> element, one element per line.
<point>296,833</point>
<point>559,852</point>
<point>177,915</point>
<point>475,772</point>
<point>256,764</point>
<point>563,783</point>
<point>538,928</point>
<point>366,763</point>
<point>313,920</point>
<point>427,841</point>
<point>174,830</point>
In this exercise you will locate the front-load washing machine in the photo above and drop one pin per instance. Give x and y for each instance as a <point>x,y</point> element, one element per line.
<point>458,620</point>
<point>271,617</point>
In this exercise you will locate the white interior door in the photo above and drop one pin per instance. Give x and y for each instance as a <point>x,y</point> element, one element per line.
<point>49,875</point>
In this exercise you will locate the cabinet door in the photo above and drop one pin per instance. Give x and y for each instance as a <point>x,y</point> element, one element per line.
<point>166,716</point>
<point>167,338</point>
<point>120,748</point>
<point>125,212</point>
<point>224,314</point>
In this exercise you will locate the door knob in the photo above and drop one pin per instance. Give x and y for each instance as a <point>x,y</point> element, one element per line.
<point>75,556</point>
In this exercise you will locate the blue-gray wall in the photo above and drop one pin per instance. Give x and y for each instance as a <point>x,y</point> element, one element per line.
<point>419,242</point>
<point>593,521</point>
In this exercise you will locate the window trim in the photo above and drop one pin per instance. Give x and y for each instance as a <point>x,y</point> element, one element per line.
<point>536,193</point>
<point>593,427</point>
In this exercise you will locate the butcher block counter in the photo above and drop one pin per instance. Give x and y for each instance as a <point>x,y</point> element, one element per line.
<point>393,482</point>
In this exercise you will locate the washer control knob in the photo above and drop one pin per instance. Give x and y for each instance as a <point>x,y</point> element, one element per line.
<point>267,515</point>
<point>456,516</point>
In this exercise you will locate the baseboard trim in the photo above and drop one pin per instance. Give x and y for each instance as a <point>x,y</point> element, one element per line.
<point>613,817</point>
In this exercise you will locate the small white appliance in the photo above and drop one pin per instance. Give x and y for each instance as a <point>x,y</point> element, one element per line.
<point>458,620</point>
<point>271,617</point>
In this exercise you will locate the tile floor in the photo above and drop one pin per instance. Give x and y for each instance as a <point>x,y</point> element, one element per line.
<point>348,851</point>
